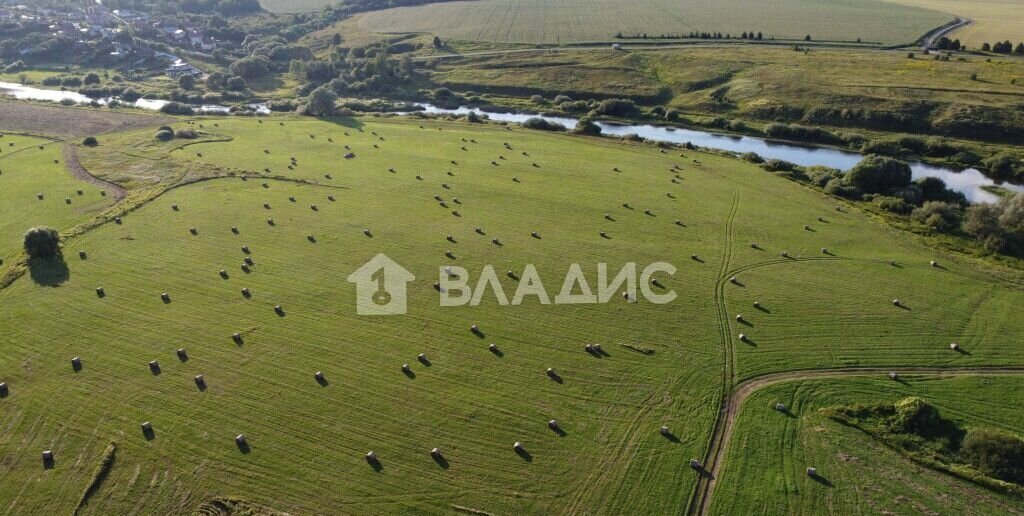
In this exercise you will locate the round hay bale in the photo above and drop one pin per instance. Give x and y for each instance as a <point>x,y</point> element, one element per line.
<point>757,304</point>
<point>270,222</point>
<point>248,261</point>
<point>266,205</point>
<point>319,376</point>
<point>954,346</point>
<point>893,375</point>
<point>67,200</point>
<point>406,369</point>
<point>240,440</point>
<point>76,363</point>
<point>807,227</point>
<point>165,297</point>
<point>147,428</point>
<point>4,390</point>
<point>237,337</point>
<point>367,232</point>
<point>739,317</point>
<point>733,280</point>
<point>200,381</point>
<point>896,302</point>
<point>518,447</point>
<point>435,453</point>
<point>475,329</point>
<point>314,207</point>
<point>194,231</point>
<point>597,348</point>
<point>39,196</point>
<point>246,293</point>
<point>224,274</point>
<point>479,231</point>
<point>824,250</point>
<point>292,198</point>
<point>182,354</point>
<point>245,267</point>
<point>589,348</point>
<point>278,310</point>
<point>174,207</point>
<point>234,229</point>
<point>696,464</point>
<point>934,263</point>
<point>781,407</point>
<point>784,254</point>
<point>100,292</point>
<point>553,424</point>
<point>743,337</point>
<point>331,198</point>
<point>812,472</point>
<point>493,348</point>
<point>117,220</point>
<point>154,366</point>
<point>81,255</point>
<point>664,430</point>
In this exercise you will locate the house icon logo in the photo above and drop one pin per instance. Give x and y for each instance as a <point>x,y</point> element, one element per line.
<point>381,287</point>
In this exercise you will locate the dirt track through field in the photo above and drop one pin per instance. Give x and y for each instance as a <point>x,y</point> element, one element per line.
<point>713,466</point>
<point>79,172</point>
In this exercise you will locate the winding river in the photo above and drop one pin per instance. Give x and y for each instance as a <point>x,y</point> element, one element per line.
<point>969,181</point>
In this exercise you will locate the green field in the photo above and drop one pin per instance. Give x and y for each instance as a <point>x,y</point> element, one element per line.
<point>664,363</point>
<point>27,171</point>
<point>575,21</point>
<point>766,470</point>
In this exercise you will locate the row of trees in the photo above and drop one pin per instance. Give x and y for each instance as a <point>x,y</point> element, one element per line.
<point>1003,48</point>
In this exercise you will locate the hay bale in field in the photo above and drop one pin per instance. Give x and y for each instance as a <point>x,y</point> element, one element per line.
<point>664,430</point>
<point>331,198</point>
<point>824,250</point>
<point>246,293</point>
<point>320,377</point>
<point>80,192</point>
<point>266,185</point>
<point>266,205</point>
<point>76,364</point>
<point>893,375</point>
<point>812,472</point>
<point>734,280</point>
<point>743,337</point>
<point>165,297</point>
<point>515,180</point>
<point>589,348</point>
<point>495,241</point>
<point>237,337</point>
<point>200,382</point>
<point>422,357</point>
<point>896,302</point>
<point>270,222</point>
<point>757,304</point>
<point>535,234</point>
<point>954,346</point>
<point>934,263</point>
<point>781,407</point>
<point>194,231</point>
<point>597,348</point>
<point>696,464</point>
<point>739,317</point>
<point>436,453</point>
<point>147,428</point>
<point>807,227</point>
<point>241,441</point>
<point>406,369</point>
<point>117,220</point>
<point>100,292</point>
<point>234,229</point>
<point>82,255</point>
<point>327,176</point>
<point>4,391</point>
<point>291,198</point>
<point>449,254</point>
<point>278,310</point>
<point>182,354</point>
<point>494,349</point>
<point>518,447</point>
<point>456,213</point>
<point>456,200</point>
<point>248,261</point>
<point>784,254</point>
<point>371,457</point>
<point>47,459</point>
<point>67,200</point>
<point>604,234</point>
<point>154,366</point>
<point>314,207</point>
<point>450,239</point>
<point>367,232</point>
<point>245,268</point>
<point>39,196</point>
<point>175,207</point>
<point>391,169</point>
<point>892,262</point>
<point>311,238</point>
<point>479,231</point>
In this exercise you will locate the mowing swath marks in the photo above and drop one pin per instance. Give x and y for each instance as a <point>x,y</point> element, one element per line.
<point>478,392</point>
<point>573,21</point>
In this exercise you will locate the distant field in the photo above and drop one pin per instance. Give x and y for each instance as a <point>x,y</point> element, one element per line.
<point>296,6</point>
<point>569,21</point>
<point>765,471</point>
<point>993,20</point>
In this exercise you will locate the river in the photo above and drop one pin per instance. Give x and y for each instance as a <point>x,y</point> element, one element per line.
<point>970,182</point>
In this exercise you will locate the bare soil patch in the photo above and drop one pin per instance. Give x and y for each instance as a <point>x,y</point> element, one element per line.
<point>69,121</point>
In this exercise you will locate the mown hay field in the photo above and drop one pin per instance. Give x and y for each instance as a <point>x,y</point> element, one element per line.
<point>575,21</point>
<point>765,470</point>
<point>30,167</point>
<point>306,440</point>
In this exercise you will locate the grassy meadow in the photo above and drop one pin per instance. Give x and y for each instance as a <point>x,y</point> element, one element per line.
<point>26,171</point>
<point>664,363</point>
<point>765,469</point>
<point>761,82</point>
<point>576,21</point>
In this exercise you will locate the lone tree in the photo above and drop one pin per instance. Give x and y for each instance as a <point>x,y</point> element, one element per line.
<point>321,102</point>
<point>42,243</point>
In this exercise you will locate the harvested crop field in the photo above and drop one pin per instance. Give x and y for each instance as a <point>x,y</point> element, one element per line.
<point>65,121</point>
<point>573,21</point>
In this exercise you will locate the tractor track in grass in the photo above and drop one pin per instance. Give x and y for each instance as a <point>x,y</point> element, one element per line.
<point>72,163</point>
<point>723,430</point>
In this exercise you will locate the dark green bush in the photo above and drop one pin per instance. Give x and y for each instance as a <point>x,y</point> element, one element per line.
<point>542,125</point>
<point>879,174</point>
<point>995,453</point>
<point>940,216</point>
